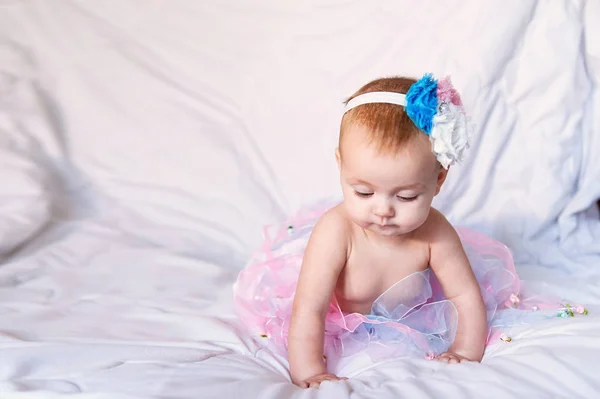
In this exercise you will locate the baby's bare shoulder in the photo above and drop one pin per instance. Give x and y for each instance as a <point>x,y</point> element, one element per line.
<point>334,218</point>
<point>333,227</point>
<point>437,229</point>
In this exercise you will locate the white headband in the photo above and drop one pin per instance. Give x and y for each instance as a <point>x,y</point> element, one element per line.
<point>446,124</point>
<point>376,97</point>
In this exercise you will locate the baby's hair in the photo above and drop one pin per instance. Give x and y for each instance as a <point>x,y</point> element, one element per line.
<point>389,125</point>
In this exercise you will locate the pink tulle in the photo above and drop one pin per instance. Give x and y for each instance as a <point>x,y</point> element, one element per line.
<point>412,318</point>
<point>447,93</point>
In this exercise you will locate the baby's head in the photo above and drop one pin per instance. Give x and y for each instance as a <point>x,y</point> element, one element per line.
<point>388,172</point>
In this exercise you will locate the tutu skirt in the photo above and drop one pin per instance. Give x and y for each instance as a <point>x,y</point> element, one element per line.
<point>412,318</point>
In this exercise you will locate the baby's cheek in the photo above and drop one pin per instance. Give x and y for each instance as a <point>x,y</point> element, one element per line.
<point>414,215</point>
<point>422,213</point>
<point>355,208</point>
<point>362,211</point>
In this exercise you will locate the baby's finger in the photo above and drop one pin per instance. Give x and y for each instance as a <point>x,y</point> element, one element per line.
<point>453,360</point>
<point>314,384</point>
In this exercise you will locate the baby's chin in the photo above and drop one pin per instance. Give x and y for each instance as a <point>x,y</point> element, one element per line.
<point>386,231</point>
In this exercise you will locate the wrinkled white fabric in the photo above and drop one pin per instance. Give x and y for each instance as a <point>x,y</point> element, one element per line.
<point>172,131</point>
<point>25,199</point>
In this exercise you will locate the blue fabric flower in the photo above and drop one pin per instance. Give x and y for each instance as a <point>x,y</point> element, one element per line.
<point>422,102</point>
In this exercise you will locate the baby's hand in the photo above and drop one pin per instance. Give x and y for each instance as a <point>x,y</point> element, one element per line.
<point>315,381</point>
<point>451,357</point>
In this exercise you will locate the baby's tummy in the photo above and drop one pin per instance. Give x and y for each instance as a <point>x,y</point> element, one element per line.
<point>357,298</point>
<point>381,297</point>
<point>354,305</point>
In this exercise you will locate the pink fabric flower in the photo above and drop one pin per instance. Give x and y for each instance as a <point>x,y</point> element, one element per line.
<point>580,309</point>
<point>514,299</point>
<point>447,93</point>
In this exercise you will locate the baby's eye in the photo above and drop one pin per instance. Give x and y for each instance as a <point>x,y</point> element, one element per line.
<point>362,195</point>
<point>407,199</point>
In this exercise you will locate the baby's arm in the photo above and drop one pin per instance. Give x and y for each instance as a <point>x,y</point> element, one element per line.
<point>324,258</point>
<point>451,266</point>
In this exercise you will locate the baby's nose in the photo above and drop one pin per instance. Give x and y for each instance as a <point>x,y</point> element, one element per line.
<point>384,210</point>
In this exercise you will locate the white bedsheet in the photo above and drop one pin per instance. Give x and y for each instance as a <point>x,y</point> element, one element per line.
<point>125,319</point>
<point>171,132</point>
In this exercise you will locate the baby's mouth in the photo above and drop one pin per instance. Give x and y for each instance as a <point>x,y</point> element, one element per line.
<point>385,226</point>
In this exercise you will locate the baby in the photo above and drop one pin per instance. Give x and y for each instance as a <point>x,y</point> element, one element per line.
<point>383,273</point>
<point>385,229</point>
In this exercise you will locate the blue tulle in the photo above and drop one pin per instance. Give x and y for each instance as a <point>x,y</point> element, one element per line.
<point>422,102</point>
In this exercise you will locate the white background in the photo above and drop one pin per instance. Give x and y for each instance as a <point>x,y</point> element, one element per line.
<point>144,146</point>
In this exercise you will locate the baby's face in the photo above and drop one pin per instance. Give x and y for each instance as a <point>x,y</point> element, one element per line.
<point>388,194</point>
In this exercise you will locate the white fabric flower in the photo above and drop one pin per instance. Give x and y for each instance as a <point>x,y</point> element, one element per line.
<point>449,135</point>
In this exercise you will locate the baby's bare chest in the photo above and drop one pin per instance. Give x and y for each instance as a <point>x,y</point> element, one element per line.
<point>370,270</point>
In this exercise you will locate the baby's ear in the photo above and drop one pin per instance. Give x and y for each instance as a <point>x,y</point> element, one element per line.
<point>338,157</point>
<point>442,174</point>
